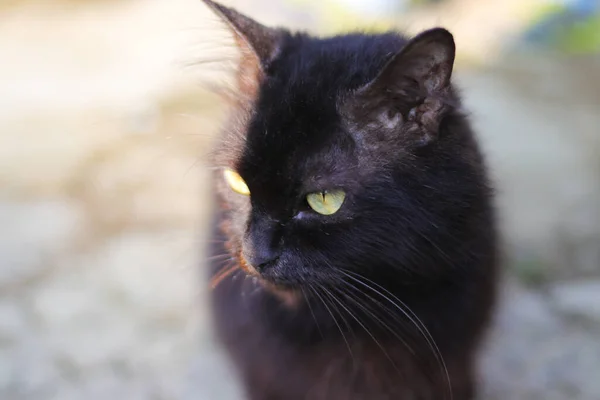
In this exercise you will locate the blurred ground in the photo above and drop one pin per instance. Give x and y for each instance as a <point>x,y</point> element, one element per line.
<point>103,206</point>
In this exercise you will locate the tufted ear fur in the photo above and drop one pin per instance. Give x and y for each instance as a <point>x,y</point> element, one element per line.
<point>258,45</point>
<point>411,89</point>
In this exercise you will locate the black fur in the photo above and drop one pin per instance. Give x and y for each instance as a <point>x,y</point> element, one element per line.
<point>388,297</point>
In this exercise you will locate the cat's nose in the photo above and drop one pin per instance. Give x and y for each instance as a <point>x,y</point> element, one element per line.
<point>261,258</point>
<point>260,246</point>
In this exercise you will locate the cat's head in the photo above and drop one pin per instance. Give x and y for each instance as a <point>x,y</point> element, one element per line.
<point>346,155</point>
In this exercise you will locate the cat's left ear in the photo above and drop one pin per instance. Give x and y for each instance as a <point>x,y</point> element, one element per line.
<point>428,59</point>
<point>254,39</point>
<point>411,89</point>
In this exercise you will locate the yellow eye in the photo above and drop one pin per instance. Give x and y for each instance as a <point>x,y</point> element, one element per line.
<point>235,181</point>
<point>326,202</point>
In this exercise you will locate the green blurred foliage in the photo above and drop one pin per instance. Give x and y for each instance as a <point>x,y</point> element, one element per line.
<point>567,31</point>
<point>531,271</point>
<point>582,37</point>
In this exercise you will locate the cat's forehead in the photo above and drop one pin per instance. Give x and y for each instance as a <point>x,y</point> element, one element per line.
<point>303,153</point>
<point>295,130</point>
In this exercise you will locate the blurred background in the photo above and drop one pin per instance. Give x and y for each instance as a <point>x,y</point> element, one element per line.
<point>104,125</point>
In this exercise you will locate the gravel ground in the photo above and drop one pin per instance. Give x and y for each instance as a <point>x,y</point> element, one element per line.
<point>103,207</point>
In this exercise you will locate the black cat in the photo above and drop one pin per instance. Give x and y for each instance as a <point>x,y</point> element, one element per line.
<point>355,249</point>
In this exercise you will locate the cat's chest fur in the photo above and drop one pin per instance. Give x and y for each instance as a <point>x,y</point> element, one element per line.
<point>274,366</point>
<point>276,369</point>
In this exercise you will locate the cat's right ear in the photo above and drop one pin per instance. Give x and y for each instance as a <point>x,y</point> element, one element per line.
<point>258,44</point>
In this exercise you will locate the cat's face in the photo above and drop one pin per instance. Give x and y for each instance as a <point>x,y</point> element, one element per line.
<point>330,168</point>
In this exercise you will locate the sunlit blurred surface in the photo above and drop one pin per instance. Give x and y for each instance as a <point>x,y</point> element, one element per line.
<point>104,126</point>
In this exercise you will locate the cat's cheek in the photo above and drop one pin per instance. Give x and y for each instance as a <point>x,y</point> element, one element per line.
<point>239,215</point>
<point>223,192</point>
<point>231,200</point>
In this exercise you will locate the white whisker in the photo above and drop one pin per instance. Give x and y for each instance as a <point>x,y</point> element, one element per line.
<point>411,316</point>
